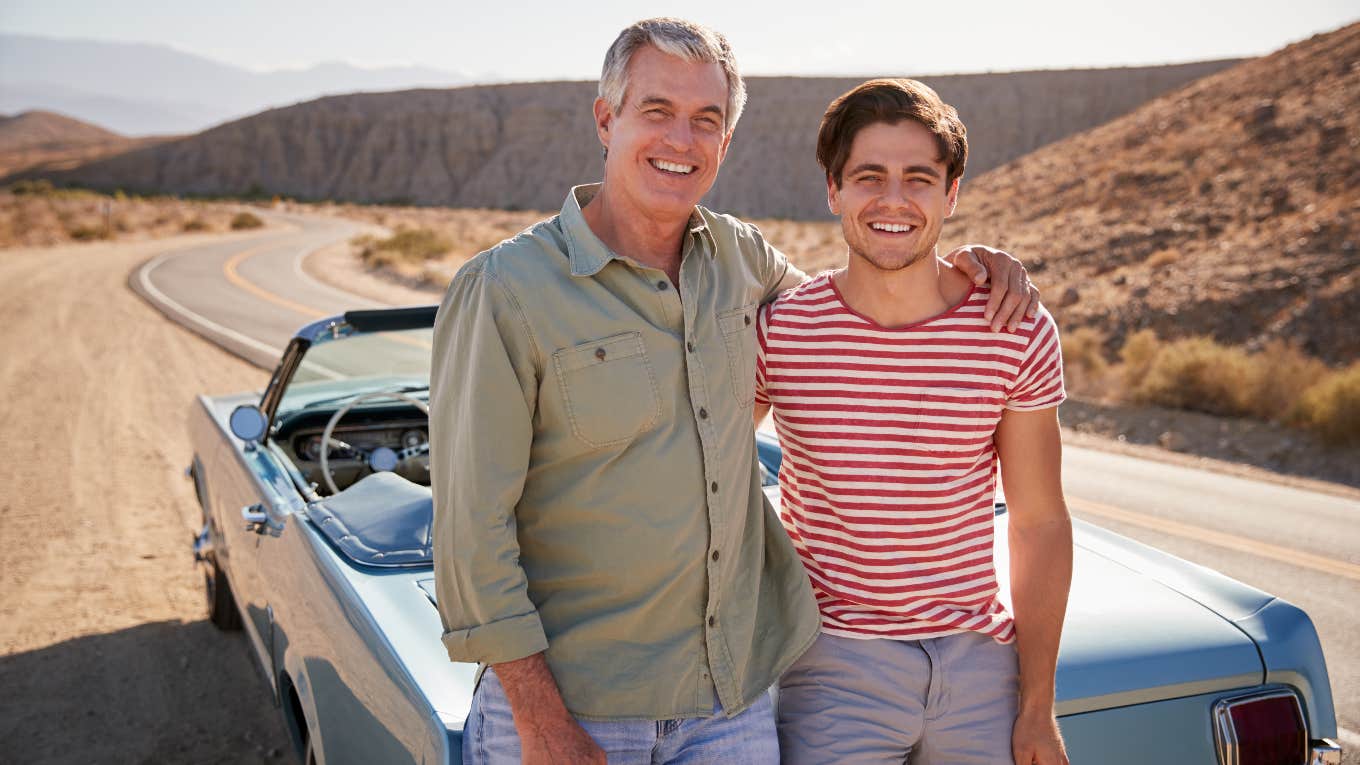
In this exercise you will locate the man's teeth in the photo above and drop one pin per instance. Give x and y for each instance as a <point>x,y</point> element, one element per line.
<point>895,228</point>
<point>673,167</point>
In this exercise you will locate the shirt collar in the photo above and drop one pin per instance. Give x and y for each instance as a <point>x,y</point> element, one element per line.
<point>588,254</point>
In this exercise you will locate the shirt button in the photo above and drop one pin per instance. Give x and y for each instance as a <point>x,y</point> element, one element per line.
<point>712,621</point>
<point>748,319</point>
<point>600,354</point>
<point>663,285</point>
<point>714,487</point>
<point>703,413</point>
<point>690,346</point>
<point>715,555</point>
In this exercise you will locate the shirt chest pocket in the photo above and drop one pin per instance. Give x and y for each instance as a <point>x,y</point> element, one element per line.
<point>738,327</point>
<point>609,388</point>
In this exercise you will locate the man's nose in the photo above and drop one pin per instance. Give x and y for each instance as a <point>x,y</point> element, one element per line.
<point>680,135</point>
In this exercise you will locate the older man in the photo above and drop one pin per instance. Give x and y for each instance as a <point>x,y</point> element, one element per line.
<point>602,542</point>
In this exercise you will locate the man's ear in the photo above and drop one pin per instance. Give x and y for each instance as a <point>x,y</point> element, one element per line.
<point>833,201</point>
<point>953,197</point>
<point>604,121</point>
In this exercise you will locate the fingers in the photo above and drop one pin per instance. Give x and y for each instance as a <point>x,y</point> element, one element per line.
<point>969,263</point>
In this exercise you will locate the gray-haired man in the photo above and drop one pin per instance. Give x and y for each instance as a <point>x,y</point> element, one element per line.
<point>602,542</point>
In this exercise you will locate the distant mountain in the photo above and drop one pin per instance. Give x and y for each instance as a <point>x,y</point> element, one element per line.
<point>140,89</point>
<point>47,141</point>
<point>1230,208</point>
<point>40,130</point>
<point>522,146</point>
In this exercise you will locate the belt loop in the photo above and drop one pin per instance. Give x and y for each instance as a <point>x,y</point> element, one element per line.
<point>936,687</point>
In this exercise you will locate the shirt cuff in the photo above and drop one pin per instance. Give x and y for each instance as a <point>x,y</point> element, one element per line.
<point>499,641</point>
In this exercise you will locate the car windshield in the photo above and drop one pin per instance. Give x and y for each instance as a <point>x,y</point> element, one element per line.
<point>336,370</point>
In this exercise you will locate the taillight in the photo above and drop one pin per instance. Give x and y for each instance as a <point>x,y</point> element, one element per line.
<point>1261,729</point>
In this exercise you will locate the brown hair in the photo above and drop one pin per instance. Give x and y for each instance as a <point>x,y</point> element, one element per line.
<point>891,101</point>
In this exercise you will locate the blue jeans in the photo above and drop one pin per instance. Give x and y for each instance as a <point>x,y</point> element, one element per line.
<point>490,738</point>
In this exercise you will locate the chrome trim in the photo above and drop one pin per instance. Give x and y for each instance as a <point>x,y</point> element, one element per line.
<point>1225,733</point>
<point>1325,752</point>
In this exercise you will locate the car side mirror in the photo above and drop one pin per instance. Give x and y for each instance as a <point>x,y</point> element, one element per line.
<point>248,423</point>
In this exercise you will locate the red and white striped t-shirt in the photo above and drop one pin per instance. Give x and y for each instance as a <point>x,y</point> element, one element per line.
<point>888,476</point>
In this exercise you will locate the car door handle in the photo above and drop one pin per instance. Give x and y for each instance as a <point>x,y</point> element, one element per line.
<point>255,518</point>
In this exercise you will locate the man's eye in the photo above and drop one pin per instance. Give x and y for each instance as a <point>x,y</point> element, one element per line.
<point>868,179</point>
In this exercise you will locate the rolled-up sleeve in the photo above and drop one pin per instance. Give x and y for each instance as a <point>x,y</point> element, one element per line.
<point>773,268</point>
<point>483,391</point>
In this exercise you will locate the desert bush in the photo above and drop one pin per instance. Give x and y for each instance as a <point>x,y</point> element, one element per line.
<point>1331,407</point>
<point>195,224</point>
<point>407,245</point>
<point>1280,373</point>
<point>1197,374</point>
<point>83,233</point>
<point>1162,258</point>
<point>1136,357</point>
<point>245,220</point>
<point>1084,361</point>
<point>39,187</point>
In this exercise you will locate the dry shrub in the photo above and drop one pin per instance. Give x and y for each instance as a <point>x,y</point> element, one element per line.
<point>1162,258</point>
<point>406,246</point>
<point>1281,371</point>
<point>1199,375</point>
<point>1084,363</point>
<point>1331,408</point>
<point>1137,355</point>
<point>196,224</point>
<point>245,220</point>
<point>83,233</point>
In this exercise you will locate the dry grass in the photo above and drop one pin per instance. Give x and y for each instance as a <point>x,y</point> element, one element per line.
<point>1331,408</point>
<point>34,214</point>
<point>1084,364</point>
<point>244,220</point>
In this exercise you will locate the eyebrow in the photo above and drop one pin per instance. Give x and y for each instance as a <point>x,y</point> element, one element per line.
<point>660,101</point>
<point>870,167</point>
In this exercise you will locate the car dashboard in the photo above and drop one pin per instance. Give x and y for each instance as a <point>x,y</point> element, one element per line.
<point>362,430</point>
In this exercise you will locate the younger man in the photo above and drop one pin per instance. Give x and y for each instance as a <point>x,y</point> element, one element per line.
<point>893,401</point>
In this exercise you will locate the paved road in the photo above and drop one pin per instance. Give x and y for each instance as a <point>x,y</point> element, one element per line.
<point>1300,545</point>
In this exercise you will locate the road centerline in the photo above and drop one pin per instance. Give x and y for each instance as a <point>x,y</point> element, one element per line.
<point>1219,539</point>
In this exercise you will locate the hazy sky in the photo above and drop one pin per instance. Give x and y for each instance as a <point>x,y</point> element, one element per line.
<point>566,40</point>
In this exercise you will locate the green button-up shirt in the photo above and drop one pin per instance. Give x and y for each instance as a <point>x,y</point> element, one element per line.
<point>596,494</point>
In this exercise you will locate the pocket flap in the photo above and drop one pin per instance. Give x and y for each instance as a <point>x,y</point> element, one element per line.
<point>737,319</point>
<point>602,351</point>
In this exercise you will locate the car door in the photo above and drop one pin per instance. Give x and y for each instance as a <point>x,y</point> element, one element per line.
<point>255,509</point>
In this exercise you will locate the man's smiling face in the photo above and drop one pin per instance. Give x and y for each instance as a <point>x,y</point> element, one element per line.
<point>669,137</point>
<point>893,197</point>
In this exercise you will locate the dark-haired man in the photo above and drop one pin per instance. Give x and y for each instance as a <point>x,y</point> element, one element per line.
<point>601,539</point>
<point>893,401</point>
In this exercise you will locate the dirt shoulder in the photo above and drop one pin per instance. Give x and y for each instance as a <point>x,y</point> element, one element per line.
<point>105,654</point>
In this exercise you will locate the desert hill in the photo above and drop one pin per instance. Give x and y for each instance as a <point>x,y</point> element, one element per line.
<point>1230,207</point>
<point>521,146</point>
<point>48,140</point>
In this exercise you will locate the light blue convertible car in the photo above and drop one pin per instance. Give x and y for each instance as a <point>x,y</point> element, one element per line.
<point>316,541</point>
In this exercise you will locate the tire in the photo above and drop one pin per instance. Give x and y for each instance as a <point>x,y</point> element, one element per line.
<point>221,606</point>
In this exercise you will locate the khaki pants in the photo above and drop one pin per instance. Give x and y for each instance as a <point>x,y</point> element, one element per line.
<point>941,701</point>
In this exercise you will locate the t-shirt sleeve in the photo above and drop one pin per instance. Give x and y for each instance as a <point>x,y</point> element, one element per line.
<point>1039,382</point>
<point>762,323</point>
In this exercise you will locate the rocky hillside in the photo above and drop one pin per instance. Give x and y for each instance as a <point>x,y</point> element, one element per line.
<point>48,140</point>
<point>1230,207</point>
<point>521,146</point>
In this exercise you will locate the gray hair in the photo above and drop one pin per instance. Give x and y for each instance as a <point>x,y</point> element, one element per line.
<point>680,38</point>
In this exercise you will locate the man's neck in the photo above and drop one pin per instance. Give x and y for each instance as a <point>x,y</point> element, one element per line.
<point>910,295</point>
<point>635,233</point>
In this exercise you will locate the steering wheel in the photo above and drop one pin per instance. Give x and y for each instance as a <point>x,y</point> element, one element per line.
<point>380,459</point>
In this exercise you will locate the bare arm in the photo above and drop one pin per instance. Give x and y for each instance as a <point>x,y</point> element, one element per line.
<point>1041,572</point>
<point>758,414</point>
<point>547,731</point>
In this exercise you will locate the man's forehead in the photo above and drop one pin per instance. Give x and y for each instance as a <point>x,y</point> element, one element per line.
<point>905,142</point>
<point>654,74</point>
